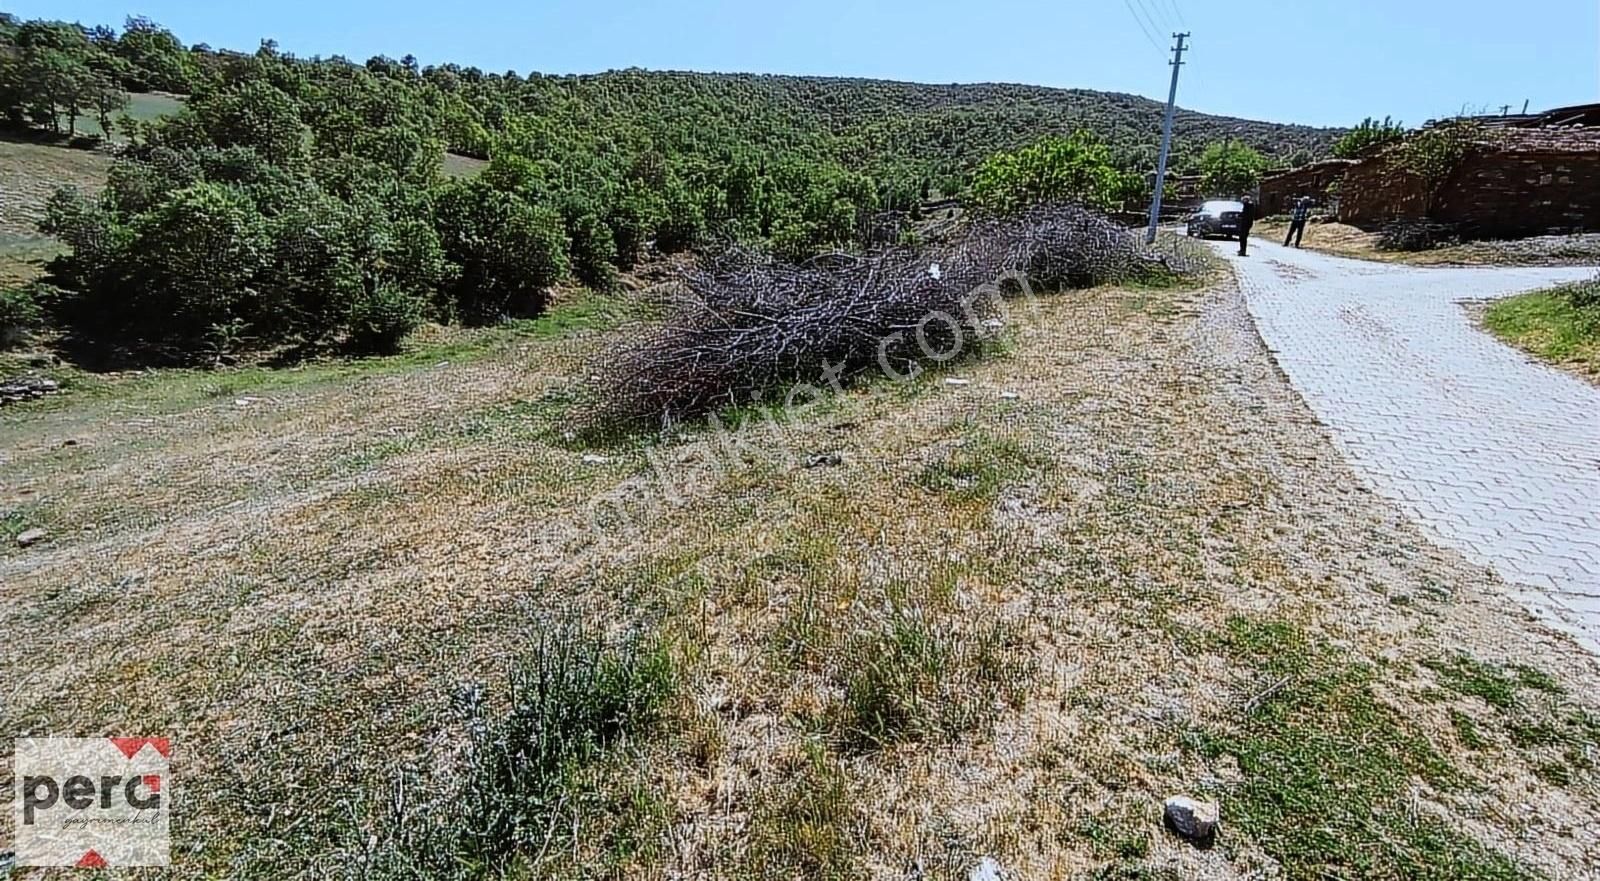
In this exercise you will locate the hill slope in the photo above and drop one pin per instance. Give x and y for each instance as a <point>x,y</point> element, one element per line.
<point>874,124</point>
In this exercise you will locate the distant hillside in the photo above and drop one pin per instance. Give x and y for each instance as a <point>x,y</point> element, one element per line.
<point>873,124</point>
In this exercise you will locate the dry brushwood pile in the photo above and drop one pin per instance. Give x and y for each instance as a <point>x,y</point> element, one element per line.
<point>741,325</point>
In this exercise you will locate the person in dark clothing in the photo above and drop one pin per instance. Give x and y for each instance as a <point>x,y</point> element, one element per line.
<point>1297,221</point>
<point>1247,219</point>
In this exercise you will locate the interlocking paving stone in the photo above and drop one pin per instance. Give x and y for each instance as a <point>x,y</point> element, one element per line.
<point>1492,453</point>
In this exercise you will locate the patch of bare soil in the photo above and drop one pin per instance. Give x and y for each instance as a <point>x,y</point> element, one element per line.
<point>917,624</point>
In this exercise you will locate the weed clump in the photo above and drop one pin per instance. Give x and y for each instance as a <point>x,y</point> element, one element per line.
<point>526,777</point>
<point>805,827</point>
<point>906,679</point>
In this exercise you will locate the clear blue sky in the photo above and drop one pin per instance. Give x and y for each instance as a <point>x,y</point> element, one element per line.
<point>1312,61</point>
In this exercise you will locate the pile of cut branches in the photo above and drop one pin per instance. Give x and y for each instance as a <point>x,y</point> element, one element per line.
<point>742,326</point>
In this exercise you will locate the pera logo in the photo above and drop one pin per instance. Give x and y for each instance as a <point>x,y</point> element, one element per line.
<point>92,802</point>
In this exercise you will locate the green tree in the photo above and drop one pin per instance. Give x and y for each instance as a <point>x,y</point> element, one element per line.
<point>156,59</point>
<point>1368,136</point>
<point>1078,168</point>
<point>253,114</point>
<point>594,251</point>
<point>510,252</point>
<point>1230,168</point>
<point>192,263</point>
<point>1434,154</point>
<point>105,96</point>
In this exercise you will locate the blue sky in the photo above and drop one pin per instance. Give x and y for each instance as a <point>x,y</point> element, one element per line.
<point>1310,61</point>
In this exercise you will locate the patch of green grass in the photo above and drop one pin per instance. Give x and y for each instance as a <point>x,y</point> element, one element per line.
<point>23,257</point>
<point>1529,711</point>
<point>1121,835</point>
<point>981,467</point>
<point>805,827</point>
<point>585,313</point>
<point>1467,731</point>
<point>532,782</point>
<point>1327,770</point>
<point>458,166</point>
<point>1550,326</point>
<point>909,678</point>
<point>1497,686</point>
<point>1273,645</point>
<point>143,107</point>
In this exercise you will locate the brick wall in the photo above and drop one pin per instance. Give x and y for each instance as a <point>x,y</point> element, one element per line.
<point>1528,182</point>
<point>1505,195</point>
<point>1375,192</point>
<point>1279,192</point>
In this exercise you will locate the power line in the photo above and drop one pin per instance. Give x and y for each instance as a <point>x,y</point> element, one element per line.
<point>1155,26</point>
<point>1178,13</point>
<point>1136,20</point>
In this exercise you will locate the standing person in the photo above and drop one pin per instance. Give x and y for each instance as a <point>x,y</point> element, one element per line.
<point>1247,219</point>
<point>1297,222</point>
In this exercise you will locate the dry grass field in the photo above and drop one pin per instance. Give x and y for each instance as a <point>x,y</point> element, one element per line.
<point>1342,240</point>
<point>392,612</point>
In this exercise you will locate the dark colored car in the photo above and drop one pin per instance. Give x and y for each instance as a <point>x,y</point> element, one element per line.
<point>1216,218</point>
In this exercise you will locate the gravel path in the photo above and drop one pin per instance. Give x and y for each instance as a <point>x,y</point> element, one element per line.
<point>1493,454</point>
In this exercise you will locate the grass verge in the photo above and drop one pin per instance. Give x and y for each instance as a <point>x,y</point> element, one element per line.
<point>1552,327</point>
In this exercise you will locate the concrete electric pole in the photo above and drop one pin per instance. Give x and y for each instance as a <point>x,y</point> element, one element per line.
<point>1166,139</point>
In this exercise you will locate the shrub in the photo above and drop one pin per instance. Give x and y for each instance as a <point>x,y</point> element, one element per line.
<point>594,252</point>
<point>191,266</point>
<point>510,252</point>
<point>20,315</point>
<point>381,318</point>
<point>1586,295</point>
<point>911,679</point>
<point>631,219</point>
<point>683,223</point>
<point>523,778</point>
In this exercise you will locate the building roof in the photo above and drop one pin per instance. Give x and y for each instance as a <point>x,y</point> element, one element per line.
<point>1577,114</point>
<point>1573,139</point>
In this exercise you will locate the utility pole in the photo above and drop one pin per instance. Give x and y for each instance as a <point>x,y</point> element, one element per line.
<point>1166,139</point>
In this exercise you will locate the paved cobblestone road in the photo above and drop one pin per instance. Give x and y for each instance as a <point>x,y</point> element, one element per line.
<point>1493,454</point>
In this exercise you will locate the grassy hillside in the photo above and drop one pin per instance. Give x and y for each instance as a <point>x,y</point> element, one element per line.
<point>29,173</point>
<point>143,107</point>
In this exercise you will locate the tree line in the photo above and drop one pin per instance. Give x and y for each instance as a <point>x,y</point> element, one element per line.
<point>300,203</point>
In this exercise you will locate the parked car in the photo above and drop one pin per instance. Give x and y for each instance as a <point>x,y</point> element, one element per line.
<point>1218,217</point>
